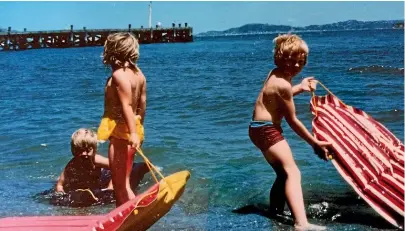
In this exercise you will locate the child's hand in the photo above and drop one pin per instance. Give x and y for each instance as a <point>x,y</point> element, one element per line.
<point>309,84</point>
<point>321,148</point>
<point>134,140</point>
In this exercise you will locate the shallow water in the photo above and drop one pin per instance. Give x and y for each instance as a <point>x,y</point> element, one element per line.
<point>200,98</point>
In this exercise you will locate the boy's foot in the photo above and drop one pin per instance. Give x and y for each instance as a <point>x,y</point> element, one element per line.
<point>309,227</point>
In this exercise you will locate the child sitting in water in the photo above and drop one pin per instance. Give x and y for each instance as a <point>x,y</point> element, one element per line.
<point>275,102</point>
<point>89,170</point>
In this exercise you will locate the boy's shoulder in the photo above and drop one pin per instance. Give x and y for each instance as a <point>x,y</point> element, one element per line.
<point>279,86</point>
<point>278,83</point>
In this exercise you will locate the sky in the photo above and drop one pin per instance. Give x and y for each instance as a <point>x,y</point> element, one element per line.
<point>202,16</point>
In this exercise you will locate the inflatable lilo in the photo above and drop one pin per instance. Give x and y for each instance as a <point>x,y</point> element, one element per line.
<point>366,154</point>
<point>139,213</point>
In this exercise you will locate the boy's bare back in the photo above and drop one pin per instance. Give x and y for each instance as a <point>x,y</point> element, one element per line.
<point>269,103</point>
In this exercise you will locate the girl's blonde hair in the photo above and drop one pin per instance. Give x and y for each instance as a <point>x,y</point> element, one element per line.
<point>83,138</point>
<point>287,44</point>
<point>121,49</point>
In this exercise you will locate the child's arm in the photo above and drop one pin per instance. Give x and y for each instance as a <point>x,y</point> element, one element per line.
<point>291,118</point>
<point>307,84</point>
<point>61,181</point>
<point>142,103</point>
<point>101,161</point>
<point>125,95</point>
<point>297,89</point>
<point>286,94</point>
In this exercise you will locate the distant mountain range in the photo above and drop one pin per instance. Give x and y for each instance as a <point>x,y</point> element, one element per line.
<point>258,28</point>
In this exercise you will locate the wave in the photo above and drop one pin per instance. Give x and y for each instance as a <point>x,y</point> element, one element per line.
<point>378,69</point>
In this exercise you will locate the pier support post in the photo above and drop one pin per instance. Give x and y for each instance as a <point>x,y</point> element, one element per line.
<point>72,37</point>
<point>174,32</point>
<point>85,36</point>
<point>9,42</point>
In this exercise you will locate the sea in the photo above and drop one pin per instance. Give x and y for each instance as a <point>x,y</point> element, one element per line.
<point>200,97</point>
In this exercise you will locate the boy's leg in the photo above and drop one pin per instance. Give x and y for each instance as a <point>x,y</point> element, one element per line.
<point>120,154</point>
<point>277,192</point>
<point>280,156</point>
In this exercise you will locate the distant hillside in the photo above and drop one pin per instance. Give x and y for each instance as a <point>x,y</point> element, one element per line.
<point>257,28</point>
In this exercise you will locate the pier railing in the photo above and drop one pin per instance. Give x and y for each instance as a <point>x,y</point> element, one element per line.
<point>10,40</point>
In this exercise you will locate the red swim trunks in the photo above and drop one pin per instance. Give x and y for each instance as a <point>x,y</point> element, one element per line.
<point>264,134</point>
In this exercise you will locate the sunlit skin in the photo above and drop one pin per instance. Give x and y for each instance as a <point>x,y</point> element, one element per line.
<point>274,103</point>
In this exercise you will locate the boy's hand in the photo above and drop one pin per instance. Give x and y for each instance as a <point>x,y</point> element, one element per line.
<point>322,148</point>
<point>134,140</point>
<point>309,84</point>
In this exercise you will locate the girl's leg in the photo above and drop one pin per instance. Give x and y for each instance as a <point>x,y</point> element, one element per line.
<point>280,157</point>
<point>121,156</point>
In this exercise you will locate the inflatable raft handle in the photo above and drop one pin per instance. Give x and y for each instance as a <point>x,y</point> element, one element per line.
<point>152,168</point>
<point>324,87</point>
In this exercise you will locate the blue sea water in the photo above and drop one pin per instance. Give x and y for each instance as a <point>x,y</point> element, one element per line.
<point>200,100</point>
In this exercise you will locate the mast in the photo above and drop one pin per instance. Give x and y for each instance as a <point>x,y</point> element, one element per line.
<point>150,14</point>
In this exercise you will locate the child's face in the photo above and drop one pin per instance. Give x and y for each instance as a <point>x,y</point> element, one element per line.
<point>86,153</point>
<point>294,63</point>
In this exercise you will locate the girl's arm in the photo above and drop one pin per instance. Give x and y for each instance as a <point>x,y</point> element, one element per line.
<point>125,95</point>
<point>142,103</point>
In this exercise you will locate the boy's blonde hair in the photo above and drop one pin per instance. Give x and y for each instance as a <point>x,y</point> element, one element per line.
<point>121,49</point>
<point>287,44</point>
<point>83,138</point>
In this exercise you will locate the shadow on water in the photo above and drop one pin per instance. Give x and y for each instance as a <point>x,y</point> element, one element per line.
<point>263,210</point>
<point>345,209</point>
<point>350,209</point>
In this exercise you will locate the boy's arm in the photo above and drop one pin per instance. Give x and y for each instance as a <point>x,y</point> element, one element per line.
<point>297,89</point>
<point>286,94</point>
<point>307,84</point>
<point>101,161</point>
<point>124,93</point>
<point>61,181</point>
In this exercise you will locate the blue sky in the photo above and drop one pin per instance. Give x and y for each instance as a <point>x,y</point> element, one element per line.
<point>202,16</point>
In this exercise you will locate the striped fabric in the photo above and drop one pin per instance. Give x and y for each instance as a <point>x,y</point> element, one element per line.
<point>367,155</point>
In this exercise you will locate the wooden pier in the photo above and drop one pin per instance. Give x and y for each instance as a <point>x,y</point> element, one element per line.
<point>12,41</point>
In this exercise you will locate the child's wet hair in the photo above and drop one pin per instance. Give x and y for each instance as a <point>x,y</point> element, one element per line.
<point>287,45</point>
<point>121,49</point>
<point>83,139</point>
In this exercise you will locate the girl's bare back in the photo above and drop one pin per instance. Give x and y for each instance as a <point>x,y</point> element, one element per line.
<point>113,106</point>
